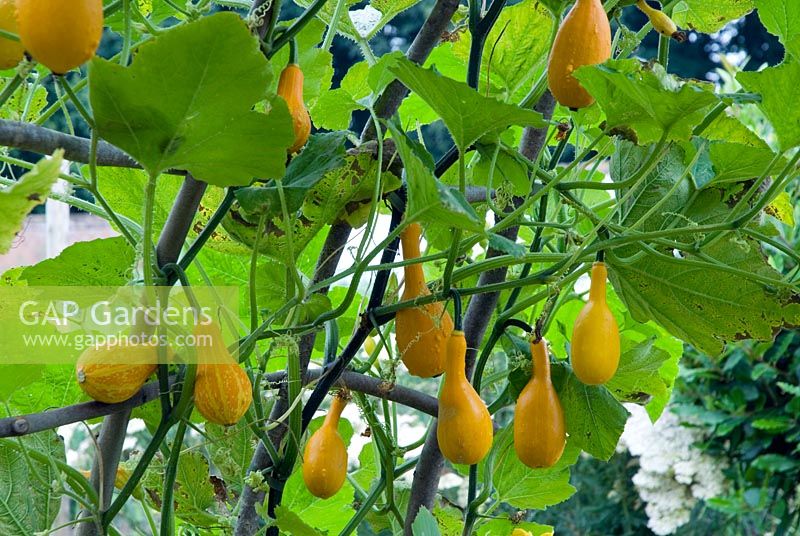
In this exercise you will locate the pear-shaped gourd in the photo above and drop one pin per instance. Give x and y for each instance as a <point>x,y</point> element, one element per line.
<point>584,38</point>
<point>595,335</point>
<point>662,23</point>
<point>325,455</point>
<point>60,34</point>
<point>222,391</point>
<point>113,374</point>
<point>422,332</point>
<point>464,428</point>
<point>11,52</point>
<point>539,430</point>
<point>290,87</point>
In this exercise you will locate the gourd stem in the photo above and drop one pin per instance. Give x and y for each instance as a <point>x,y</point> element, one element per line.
<point>457,316</point>
<point>293,58</point>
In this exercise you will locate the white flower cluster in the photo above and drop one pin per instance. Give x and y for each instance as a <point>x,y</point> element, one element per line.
<point>673,473</point>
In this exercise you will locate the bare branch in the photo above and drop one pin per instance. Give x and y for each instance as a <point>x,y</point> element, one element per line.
<point>36,139</point>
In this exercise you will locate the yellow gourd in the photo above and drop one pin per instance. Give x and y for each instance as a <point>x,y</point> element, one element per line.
<point>325,455</point>
<point>60,34</point>
<point>464,427</point>
<point>661,22</point>
<point>290,87</point>
<point>222,391</point>
<point>422,332</point>
<point>521,532</point>
<point>595,335</point>
<point>369,345</point>
<point>116,373</point>
<point>584,38</point>
<point>539,430</point>
<point>120,479</point>
<point>11,52</point>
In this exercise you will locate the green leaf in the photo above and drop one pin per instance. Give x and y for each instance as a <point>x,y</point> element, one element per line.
<point>467,114</point>
<point>709,17</point>
<point>594,418</point>
<point>774,425</point>
<point>775,463</point>
<point>329,515</point>
<point>782,209</point>
<point>350,24</point>
<point>291,523</point>
<point>638,378</point>
<point>697,301</point>
<point>230,449</point>
<point>428,199</point>
<point>526,488</point>
<point>169,110</point>
<point>322,154</point>
<point>31,190</point>
<point>101,262</point>
<point>54,386</point>
<point>506,526</point>
<point>517,47</point>
<point>425,524</point>
<point>737,162</point>
<point>334,108</point>
<point>782,19</point>
<point>647,99</point>
<point>778,86</point>
<point>29,504</point>
<point>194,493</point>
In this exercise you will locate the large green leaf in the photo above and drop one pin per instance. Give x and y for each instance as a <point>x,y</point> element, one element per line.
<point>334,108</point>
<point>18,200</point>
<point>778,87</point>
<point>647,99</point>
<point>329,515</point>
<point>29,503</point>
<point>425,524</point>
<point>782,18</point>
<point>701,302</point>
<point>709,17</point>
<point>428,199</point>
<point>525,488</point>
<point>594,418</point>
<point>467,114</point>
<point>187,101</point>
<point>291,523</point>
<point>101,262</point>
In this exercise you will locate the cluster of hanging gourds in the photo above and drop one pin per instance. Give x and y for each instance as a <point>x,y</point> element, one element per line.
<point>429,345</point>
<point>584,38</point>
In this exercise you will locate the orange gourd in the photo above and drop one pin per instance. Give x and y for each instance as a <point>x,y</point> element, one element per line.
<point>11,52</point>
<point>422,332</point>
<point>113,374</point>
<point>60,34</point>
<point>290,87</point>
<point>584,38</point>
<point>539,430</point>
<point>595,335</point>
<point>325,455</point>
<point>464,428</point>
<point>222,391</point>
